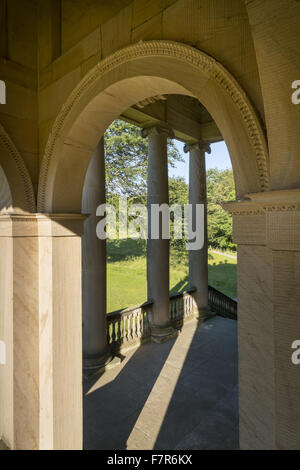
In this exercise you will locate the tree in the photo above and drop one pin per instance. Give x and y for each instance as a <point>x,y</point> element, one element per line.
<point>178,194</point>
<point>127,158</point>
<point>220,187</point>
<point>126,175</point>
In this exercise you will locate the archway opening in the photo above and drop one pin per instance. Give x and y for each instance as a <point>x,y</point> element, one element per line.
<point>136,75</point>
<point>125,184</point>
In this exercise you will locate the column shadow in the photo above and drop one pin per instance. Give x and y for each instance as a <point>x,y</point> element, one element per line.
<point>199,412</point>
<point>111,411</point>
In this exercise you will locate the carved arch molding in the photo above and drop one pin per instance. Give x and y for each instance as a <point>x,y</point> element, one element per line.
<point>18,178</point>
<point>162,49</point>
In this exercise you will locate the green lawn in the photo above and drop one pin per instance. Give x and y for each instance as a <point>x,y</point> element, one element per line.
<point>126,273</point>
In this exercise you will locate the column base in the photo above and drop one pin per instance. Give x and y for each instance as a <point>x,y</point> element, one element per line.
<point>98,363</point>
<point>204,313</point>
<point>162,333</point>
<point>91,372</point>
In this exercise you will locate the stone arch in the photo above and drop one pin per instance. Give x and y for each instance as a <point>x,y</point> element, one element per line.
<point>16,191</point>
<point>128,76</point>
<point>5,193</point>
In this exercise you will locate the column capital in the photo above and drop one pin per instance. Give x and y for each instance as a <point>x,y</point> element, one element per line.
<point>201,146</point>
<point>157,130</point>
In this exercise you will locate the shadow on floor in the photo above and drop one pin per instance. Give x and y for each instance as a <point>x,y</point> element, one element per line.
<point>178,395</point>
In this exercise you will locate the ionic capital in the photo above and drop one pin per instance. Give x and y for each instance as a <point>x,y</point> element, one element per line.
<point>201,146</point>
<point>157,130</point>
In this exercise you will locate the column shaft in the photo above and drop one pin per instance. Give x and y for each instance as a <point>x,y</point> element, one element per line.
<point>40,308</point>
<point>95,348</point>
<point>158,249</point>
<point>198,259</point>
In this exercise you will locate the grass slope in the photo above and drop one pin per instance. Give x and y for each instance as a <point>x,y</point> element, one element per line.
<point>126,273</point>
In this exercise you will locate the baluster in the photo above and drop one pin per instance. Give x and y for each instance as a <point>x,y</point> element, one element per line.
<point>190,305</point>
<point>142,324</point>
<point>126,331</point>
<point>119,331</point>
<point>146,323</point>
<point>130,326</point>
<point>135,329</point>
<point>138,326</point>
<point>125,334</point>
<point>113,332</point>
<point>108,332</point>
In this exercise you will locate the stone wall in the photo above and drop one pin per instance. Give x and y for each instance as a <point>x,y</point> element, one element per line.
<point>64,39</point>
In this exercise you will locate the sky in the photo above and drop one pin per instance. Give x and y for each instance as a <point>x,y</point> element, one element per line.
<point>219,158</point>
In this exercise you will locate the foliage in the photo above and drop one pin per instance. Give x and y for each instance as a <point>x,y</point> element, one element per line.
<point>220,187</point>
<point>126,175</point>
<point>126,159</point>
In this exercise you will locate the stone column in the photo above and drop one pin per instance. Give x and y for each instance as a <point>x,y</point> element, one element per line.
<point>40,328</point>
<point>95,348</point>
<point>158,249</point>
<point>266,228</point>
<point>198,259</point>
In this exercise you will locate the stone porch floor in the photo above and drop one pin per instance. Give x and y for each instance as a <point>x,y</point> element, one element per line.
<point>182,394</point>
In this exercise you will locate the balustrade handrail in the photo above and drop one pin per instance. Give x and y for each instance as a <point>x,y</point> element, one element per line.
<point>191,290</point>
<point>222,304</point>
<point>128,310</point>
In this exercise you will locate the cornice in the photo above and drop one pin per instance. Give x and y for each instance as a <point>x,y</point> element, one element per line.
<point>265,202</point>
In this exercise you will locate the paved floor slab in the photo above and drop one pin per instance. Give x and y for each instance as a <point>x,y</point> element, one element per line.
<point>182,394</point>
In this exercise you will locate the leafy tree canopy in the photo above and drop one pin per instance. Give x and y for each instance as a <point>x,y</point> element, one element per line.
<point>126,175</point>
<point>127,157</point>
<point>220,187</point>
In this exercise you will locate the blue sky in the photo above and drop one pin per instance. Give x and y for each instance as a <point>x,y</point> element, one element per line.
<point>219,158</point>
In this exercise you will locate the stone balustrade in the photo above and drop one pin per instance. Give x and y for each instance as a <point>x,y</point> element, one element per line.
<point>129,327</point>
